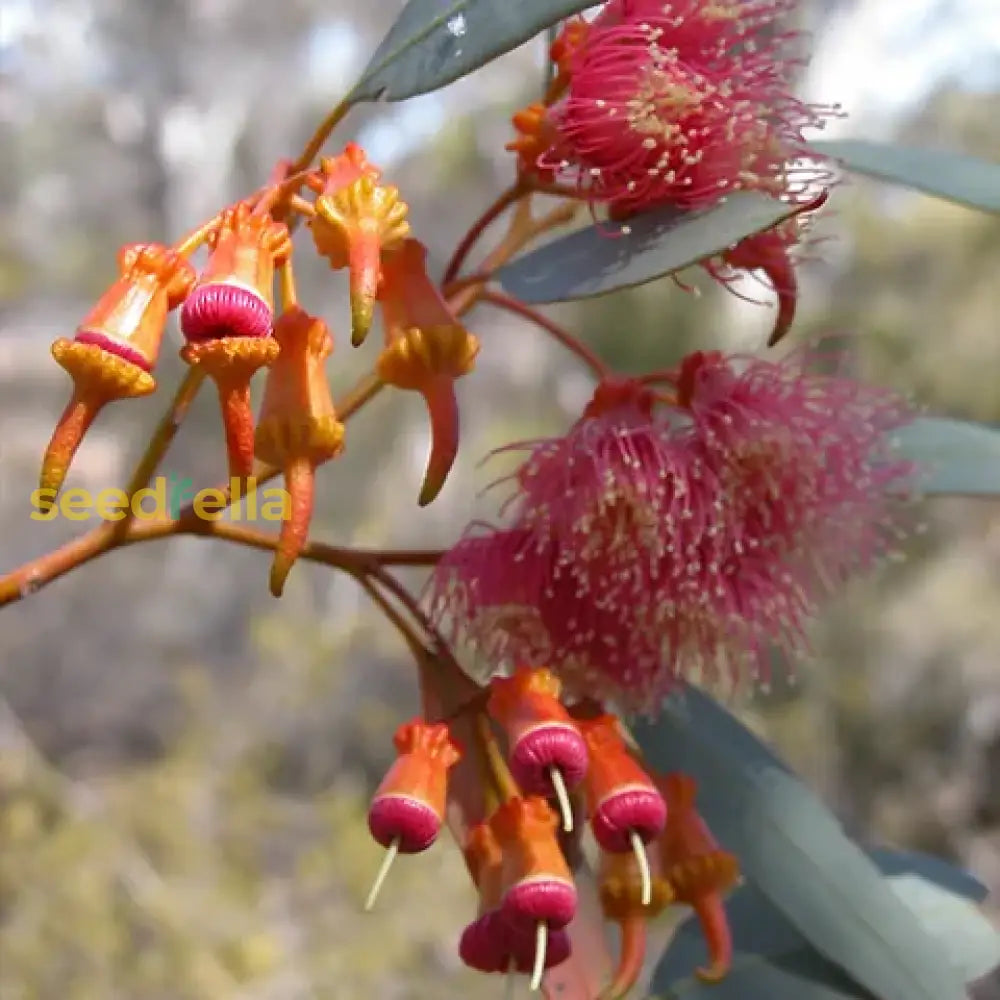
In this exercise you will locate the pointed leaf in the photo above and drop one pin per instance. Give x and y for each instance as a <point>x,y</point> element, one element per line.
<point>434,42</point>
<point>955,456</point>
<point>952,176</point>
<point>607,256</point>
<point>796,853</point>
<point>772,959</point>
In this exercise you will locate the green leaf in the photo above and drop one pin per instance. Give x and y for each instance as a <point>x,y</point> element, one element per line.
<point>772,960</point>
<point>952,176</point>
<point>606,257</point>
<point>434,42</point>
<point>955,456</point>
<point>796,853</point>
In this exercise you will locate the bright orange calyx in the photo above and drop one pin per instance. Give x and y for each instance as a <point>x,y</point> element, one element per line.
<point>357,221</point>
<point>535,135</point>
<point>537,883</point>
<point>115,347</point>
<point>426,350</point>
<point>298,427</point>
<point>698,870</point>
<point>409,805</point>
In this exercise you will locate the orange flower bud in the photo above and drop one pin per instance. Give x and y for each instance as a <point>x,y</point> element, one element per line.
<point>698,870</point>
<point>426,350</point>
<point>116,346</point>
<point>410,802</point>
<point>357,220</point>
<point>621,893</point>
<point>537,883</point>
<point>545,747</point>
<point>621,798</point>
<point>298,427</point>
<point>227,318</point>
<point>489,944</point>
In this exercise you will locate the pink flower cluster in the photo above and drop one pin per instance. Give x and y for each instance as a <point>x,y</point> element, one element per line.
<point>691,535</point>
<point>683,102</point>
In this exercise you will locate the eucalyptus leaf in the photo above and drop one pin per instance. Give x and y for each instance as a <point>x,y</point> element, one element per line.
<point>608,256</point>
<point>796,853</point>
<point>434,42</point>
<point>952,176</point>
<point>773,960</point>
<point>955,456</point>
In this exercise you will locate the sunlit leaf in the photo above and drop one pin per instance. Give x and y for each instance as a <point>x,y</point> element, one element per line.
<point>434,42</point>
<point>796,853</point>
<point>773,960</point>
<point>955,456</point>
<point>602,258</point>
<point>968,181</point>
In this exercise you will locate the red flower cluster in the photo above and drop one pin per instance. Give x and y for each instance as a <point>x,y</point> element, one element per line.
<point>684,536</point>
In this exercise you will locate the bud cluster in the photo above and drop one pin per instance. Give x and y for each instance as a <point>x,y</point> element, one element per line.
<point>654,848</point>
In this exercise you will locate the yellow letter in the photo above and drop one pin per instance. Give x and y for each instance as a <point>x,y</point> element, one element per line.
<point>43,500</point>
<point>75,505</point>
<point>208,505</point>
<point>278,497</point>
<point>110,504</point>
<point>159,495</point>
<point>252,498</point>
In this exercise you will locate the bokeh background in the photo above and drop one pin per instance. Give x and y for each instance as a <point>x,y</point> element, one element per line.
<point>185,762</point>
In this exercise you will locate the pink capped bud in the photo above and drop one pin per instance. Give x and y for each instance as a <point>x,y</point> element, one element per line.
<point>541,734</point>
<point>538,886</point>
<point>408,808</point>
<point>622,801</point>
<point>409,804</point>
<point>223,309</point>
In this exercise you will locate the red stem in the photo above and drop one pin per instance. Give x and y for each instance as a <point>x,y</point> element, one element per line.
<point>559,333</point>
<point>477,229</point>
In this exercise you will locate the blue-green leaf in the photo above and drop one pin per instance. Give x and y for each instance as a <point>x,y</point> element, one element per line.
<point>434,42</point>
<point>602,258</point>
<point>968,181</point>
<point>955,456</point>
<point>772,960</point>
<point>796,853</point>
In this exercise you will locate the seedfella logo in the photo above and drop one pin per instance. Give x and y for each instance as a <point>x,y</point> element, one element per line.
<point>164,498</point>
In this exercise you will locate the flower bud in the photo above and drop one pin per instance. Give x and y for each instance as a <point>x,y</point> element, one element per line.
<point>227,319</point>
<point>698,870</point>
<point>410,802</point>
<point>116,346</point>
<point>357,220</point>
<point>298,427</point>
<point>621,799</point>
<point>426,350</point>
<point>546,749</point>
<point>538,886</point>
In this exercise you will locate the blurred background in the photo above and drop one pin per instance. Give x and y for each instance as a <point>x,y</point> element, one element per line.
<point>185,762</point>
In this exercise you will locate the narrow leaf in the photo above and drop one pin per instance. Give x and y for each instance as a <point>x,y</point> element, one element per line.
<point>434,42</point>
<point>605,257</point>
<point>952,176</point>
<point>955,456</point>
<point>796,853</point>
<point>772,959</point>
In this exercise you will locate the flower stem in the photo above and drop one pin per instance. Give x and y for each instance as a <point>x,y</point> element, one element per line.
<point>319,137</point>
<point>559,333</point>
<point>469,240</point>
